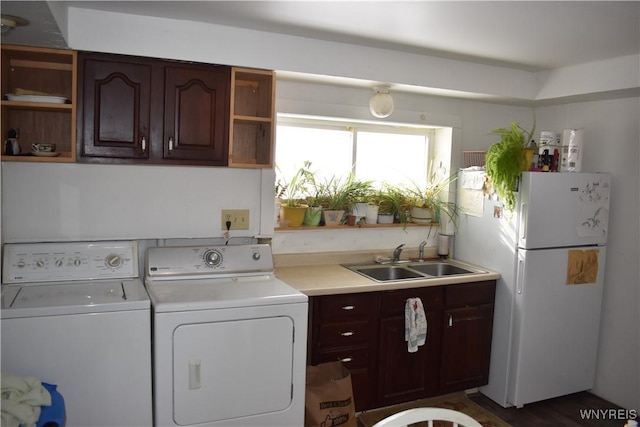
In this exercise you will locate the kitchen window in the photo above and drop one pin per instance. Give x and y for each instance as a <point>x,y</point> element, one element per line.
<point>381,153</point>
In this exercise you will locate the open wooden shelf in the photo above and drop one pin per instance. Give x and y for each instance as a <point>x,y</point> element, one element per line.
<point>49,71</point>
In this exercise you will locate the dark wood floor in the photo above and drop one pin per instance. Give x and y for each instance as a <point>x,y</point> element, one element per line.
<point>559,412</point>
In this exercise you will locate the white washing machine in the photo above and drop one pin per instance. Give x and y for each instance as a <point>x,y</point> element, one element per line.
<point>76,314</point>
<point>229,338</point>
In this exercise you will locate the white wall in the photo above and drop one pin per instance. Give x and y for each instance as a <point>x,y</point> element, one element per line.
<point>612,145</point>
<point>91,202</point>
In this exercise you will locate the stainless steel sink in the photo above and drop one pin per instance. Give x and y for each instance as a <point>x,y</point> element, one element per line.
<point>439,269</point>
<point>386,273</point>
<point>410,270</point>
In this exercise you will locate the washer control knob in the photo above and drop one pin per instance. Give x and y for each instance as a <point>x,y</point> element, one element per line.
<point>113,260</point>
<point>77,262</point>
<point>212,258</point>
<point>59,262</point>
<point>40,263</point>
<point>256,256</point>
<point>21,264</point>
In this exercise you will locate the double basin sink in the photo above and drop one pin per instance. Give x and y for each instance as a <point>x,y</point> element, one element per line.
<point>411,270</point>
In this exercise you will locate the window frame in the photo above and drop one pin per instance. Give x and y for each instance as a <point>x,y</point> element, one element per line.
<point>355,126</point>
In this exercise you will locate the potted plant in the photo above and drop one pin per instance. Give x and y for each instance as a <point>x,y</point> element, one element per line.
<point>313,213</point>
<point>359,195</point>
<point>427,203</point>
<point>506,160</point>
<point>293,192</point>
<point>336,196</point>
<point>393,202</point>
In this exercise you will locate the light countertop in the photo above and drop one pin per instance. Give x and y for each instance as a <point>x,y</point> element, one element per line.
<point>314,275</point>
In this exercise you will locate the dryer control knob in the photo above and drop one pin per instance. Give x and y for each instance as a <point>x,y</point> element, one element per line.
<point>256,256</point>
<point>113,261</point>
<point>212,258</point>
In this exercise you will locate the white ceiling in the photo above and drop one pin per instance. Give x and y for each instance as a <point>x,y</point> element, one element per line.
<point>516,34</point>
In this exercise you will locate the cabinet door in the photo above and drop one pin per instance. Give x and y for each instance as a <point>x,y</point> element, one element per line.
<point>115,103</point>
<point>405,376</point>
<point>196,114</point>
<point>466,347</point>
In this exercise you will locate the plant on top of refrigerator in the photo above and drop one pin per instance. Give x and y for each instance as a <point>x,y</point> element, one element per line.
<point>506,160</point>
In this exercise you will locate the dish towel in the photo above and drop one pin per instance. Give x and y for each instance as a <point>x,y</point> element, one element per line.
<point>415,324</point>
<point>22,398</point>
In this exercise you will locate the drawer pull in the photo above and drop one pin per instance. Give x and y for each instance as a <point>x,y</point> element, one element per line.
<point>347,333</point>
<point>349,307</point>
<point>144,144</point>
<point>346,359</point>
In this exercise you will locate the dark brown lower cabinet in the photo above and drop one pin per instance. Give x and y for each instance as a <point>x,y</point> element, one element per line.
<point>404,376</point>
<point>466,336</point>
<point>366,332</point>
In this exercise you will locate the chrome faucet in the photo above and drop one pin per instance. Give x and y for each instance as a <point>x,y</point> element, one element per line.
<point>421,251</point>
<point>396,253</point>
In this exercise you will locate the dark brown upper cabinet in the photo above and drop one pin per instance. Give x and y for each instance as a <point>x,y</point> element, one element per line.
<point>142,110</point>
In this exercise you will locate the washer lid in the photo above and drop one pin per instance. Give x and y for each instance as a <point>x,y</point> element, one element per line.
<point>31,300</point>
<point>205,294</point>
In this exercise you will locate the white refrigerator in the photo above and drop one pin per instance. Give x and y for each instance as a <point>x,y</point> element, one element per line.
<point>550,252</point>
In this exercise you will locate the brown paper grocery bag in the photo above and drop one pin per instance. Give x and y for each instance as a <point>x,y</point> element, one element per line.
<point>329,396</point>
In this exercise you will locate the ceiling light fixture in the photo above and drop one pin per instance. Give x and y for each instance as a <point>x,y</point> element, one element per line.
<point>381,102</point>
<point>9,22</point>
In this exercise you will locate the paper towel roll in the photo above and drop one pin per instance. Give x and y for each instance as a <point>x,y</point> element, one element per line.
<point>443,245</point>
<point>572,150</point>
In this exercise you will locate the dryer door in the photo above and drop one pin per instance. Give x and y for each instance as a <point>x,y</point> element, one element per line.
<point>230,369</point>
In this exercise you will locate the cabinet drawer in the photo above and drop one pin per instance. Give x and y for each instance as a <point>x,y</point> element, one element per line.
<point>348,306</point>
<point>393,302</point>
<point>344,334</point>
<point>470,294</point>
<point>353,358</point>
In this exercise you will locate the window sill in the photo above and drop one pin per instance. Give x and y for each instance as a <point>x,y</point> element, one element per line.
<point>353,227</point>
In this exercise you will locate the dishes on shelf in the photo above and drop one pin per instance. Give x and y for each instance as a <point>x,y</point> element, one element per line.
<point>37,98</point>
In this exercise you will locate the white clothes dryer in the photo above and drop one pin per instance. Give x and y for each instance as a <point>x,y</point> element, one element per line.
<point>77,315</point>
<point>229,339</point>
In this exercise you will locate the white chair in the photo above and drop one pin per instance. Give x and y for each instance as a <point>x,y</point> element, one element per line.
<point>416,415</point>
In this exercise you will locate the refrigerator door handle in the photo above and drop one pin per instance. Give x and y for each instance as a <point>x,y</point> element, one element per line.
<point>523,221</point>
<point>520,279</point>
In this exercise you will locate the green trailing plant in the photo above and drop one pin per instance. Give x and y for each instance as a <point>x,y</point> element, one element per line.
<point>506,160</point>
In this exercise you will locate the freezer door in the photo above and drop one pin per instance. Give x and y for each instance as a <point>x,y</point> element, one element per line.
<point>558,298</point>
<point>563,209</point>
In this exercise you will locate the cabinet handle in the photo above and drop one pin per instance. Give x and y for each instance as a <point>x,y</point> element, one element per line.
<point>346,334</point>
<point>349,307</point>
<point>450,321</point>
<point>170,144</point>
<point>143,143</point>
<point>346,359</point>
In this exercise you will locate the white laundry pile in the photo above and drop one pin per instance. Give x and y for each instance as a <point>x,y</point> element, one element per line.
<point>415,324</point>
<point>22,398</point>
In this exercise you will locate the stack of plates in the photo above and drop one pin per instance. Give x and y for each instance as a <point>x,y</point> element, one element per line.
<point>37,98</point>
